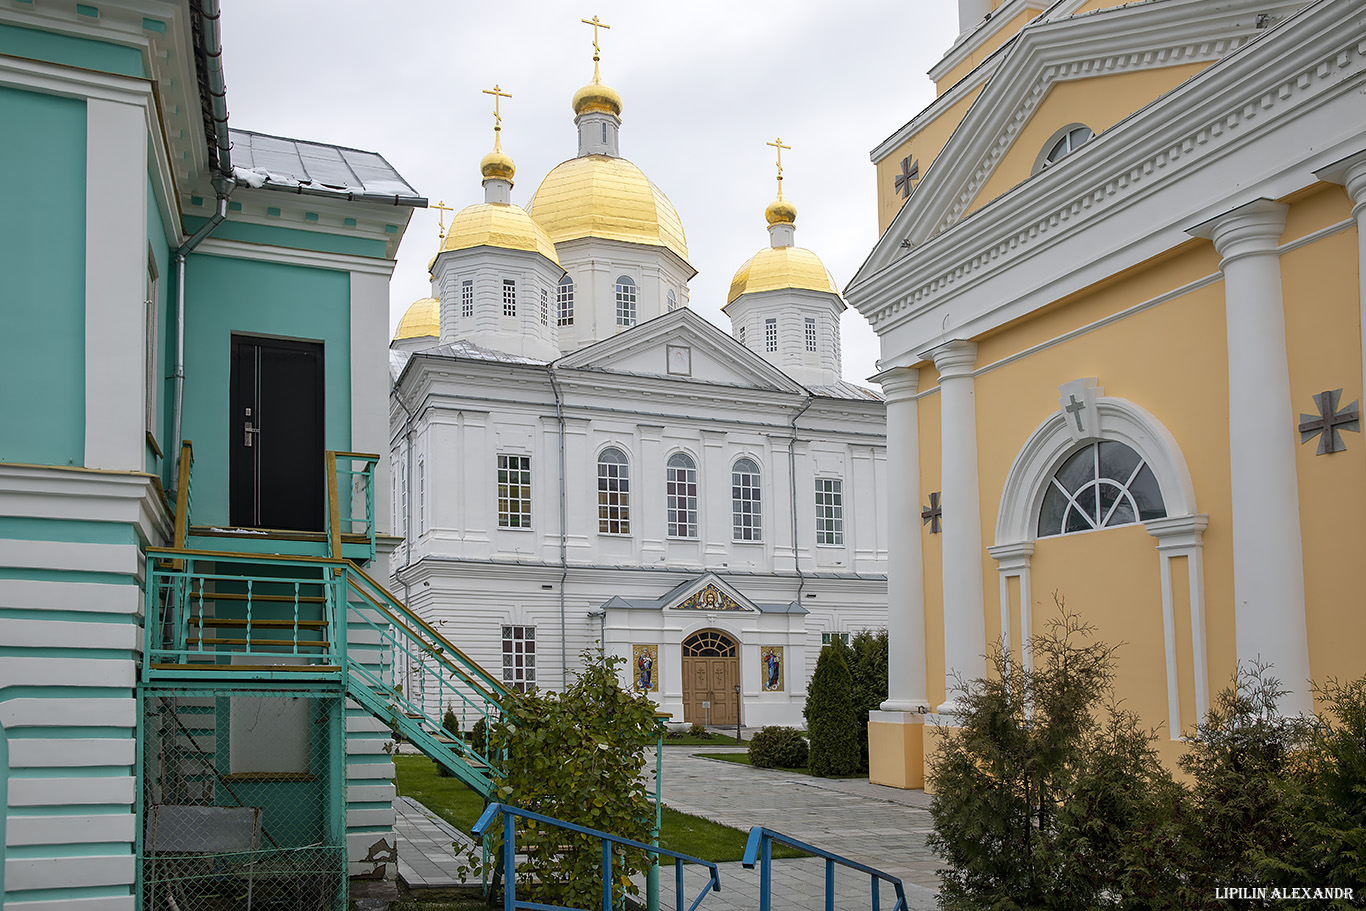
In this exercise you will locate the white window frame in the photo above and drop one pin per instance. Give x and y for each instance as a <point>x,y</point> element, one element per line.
<point>771,334</point>
<point>545,307</point>
<point>510,297</point>
<point>519,662</point>
<point>680,494</point>
<point>614,492</point>
<point>467,299</point>
<point>626,301</point>
<point>514,491</point>
<point>564,302</point>
<point>746,501</point>
<point>673,300</point>
<point>810,333</point>
<point>829,512</point>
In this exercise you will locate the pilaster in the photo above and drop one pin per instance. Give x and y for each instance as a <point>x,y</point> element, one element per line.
<point>1351,173</point>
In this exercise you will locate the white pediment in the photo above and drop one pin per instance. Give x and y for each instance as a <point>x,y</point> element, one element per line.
<point>681,345</point>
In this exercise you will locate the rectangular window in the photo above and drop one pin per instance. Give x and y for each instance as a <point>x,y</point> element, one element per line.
<point>746,517</point>
<point>514,491</point>
<point>742,335</point>
<point>770,335</point>
<point>614,494</point>
<point>564,302</point>
<point>509,297</point>
<point>467,299</point>
<point>827,638</point>
<point>681,498</point>
<point>810,334</point>
<point>829,511</point>
<point>545,308</point>
<point>519,657</point>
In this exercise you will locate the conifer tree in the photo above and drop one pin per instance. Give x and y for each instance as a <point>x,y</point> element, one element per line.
<point>831,722</point>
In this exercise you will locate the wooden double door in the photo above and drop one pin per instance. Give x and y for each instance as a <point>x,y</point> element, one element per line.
<point>711,670</point>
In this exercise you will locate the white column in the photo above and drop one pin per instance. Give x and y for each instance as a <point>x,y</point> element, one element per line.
<point>906,684</point>
<point>1268,564</point>
<point>964,625</point>
<point>1351,173</point>
<point>1181,536</point>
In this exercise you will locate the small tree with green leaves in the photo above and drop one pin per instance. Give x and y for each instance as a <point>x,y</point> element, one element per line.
<point>831,725</point>
<point>578,756</point>
<point>869,670</point>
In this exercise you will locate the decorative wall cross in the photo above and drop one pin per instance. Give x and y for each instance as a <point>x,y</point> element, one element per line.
<point>1075,409</point>
<point>909,172</point>
<point>931,514</point>
<point>1328,423</point>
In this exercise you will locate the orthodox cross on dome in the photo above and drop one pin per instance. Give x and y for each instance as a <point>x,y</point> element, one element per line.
<point>778,144</point>
<point>498,94</point>
<point>597,51</point>
<point>932,514</point>
<point>441,210</point>
<point>1328,423</point>
<point>909,171</point>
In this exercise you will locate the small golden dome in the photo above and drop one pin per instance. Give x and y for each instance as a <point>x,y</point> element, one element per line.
<point>610,198</point>
<point>776,268</point>
<point>492,224</point>
<point>597,96</point>
<point>422,319</point>
<point>780,211</point>
<point>497,164</point>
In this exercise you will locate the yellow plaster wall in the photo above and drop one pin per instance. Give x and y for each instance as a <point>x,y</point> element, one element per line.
<point>923,146</point>
<point>1004,32</point>
<point>1099,103</point>
<point>1323,343</point>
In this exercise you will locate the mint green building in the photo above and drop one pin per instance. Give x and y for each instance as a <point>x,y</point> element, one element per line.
<point>195,689</point>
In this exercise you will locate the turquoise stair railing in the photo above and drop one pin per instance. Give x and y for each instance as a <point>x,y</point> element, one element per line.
<point>759,850</point>
<point>509,858</point>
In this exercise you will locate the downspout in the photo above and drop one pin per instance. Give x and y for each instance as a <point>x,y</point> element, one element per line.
<point>792,476</point>
<point>564,554</point>
<point>210,59</point>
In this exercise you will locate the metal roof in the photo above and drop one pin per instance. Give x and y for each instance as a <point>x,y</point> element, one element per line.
<point>845,390</point>
<point>316,168</point>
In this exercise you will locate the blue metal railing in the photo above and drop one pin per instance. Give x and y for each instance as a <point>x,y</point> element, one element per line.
<point>759,849</point>
<point>509,849</point>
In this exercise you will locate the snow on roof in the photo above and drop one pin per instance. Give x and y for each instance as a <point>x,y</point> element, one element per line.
<point>845,390</point>
<point>317,168</point>
<point>473,352</point>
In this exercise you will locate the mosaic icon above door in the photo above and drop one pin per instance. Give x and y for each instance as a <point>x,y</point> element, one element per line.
<point>709,598</point>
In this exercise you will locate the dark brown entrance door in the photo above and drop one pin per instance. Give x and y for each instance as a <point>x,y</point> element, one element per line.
<point>275,434</point>
<point>711,669</point>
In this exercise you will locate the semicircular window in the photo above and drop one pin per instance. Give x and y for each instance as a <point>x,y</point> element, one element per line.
<point>1069,143</point>
<point>1103,485</point>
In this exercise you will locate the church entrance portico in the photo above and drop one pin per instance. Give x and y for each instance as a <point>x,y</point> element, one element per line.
<point>711,670</point>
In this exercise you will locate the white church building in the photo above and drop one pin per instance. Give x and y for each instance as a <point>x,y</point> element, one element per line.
<point>583,462</point>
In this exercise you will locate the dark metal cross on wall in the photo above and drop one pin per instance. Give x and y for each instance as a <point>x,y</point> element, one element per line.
<point>931,514</point>
<point>1075,409</point>
<point>1328,423</point>
<point>909,172</point>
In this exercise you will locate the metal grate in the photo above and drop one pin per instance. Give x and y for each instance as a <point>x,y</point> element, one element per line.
<point>243,801</point>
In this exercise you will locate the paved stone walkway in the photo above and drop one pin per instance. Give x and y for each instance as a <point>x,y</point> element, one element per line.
<point>882,827</point>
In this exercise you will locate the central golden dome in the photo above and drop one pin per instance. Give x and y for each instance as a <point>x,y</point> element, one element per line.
<point>610,198</point>
<point>492,224</point>
<point>776,268</point>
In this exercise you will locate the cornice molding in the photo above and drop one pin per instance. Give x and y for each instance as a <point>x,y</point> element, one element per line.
<point>339,262</point>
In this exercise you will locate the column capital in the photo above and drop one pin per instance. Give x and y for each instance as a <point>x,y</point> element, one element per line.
<point>954,359</point>
<point>1249,229</point>
<point>1351,173</point>
<point>898,383</point>
<point>1012,557</point>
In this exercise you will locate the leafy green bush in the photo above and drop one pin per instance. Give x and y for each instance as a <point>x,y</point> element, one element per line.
<point>869,670</point>
<point>578,756</point>
<point>776,747</point>
<point>697,730</point>
<point>831,724</point>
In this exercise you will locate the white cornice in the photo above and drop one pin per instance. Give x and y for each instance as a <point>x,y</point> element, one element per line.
<point>82,494</point>
<point>1167,167</point>
<point>974,38</point>
<point>980,74</point>
<point>312,259</point>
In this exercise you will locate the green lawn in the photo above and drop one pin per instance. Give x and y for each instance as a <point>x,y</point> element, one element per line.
<point>416,777</point>
<point>685,739</point>
<point>743,759</point>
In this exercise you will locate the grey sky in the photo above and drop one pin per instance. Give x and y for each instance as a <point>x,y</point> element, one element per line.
<point>704,85</point>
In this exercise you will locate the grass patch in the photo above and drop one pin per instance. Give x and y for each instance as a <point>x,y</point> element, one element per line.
<point>685,739</point>
<point>743,759</point>
<point>416,777</point>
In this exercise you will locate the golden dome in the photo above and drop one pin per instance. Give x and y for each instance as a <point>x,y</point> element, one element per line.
<point>492,224</point>
<point>780,211</point>
<point>610,198</point>
<point>497,164</point>
<point>597,96</point>
<point>422,319</point>
<point>775,268</point>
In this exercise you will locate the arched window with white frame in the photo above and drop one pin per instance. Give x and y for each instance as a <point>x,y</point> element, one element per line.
<point>681,496</point>
<point>564,302</point>
<point>614,493</point>
<point>626,301</point>
<point>746,501</point>
<point>1102,485</point>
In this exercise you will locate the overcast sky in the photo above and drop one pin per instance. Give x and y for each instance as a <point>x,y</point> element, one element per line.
<point>704,85</point>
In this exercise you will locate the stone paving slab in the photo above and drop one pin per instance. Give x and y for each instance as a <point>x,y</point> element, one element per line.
<point>426,858</point>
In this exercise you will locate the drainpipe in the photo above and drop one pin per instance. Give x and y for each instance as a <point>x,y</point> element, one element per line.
<point>564,555</point>
<point>792,476</point>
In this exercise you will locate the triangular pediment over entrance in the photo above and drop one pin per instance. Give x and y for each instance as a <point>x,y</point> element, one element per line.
<point>680,346</point>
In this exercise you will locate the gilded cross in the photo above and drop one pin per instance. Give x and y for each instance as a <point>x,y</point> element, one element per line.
<point>497,93</point>
<point>931,514</point>
<point>778,144</point>
<point>1328,423</point>
<point>1075,409</point>
<point>596,25</point>
<point>441,210</point>
<point>909,172</point>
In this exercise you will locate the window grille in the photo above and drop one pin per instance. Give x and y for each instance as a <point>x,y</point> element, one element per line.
<point>564,302</point>
<point>467,299</point>
<point>509,297</point>
<point>626,301</point>
<point>673,301</point>
<point>810,334</point>
<point>829,511</point>
<point>614,493</point>
<point>746,515</point>
<point>681,490</point>
<point>514,491</point>
<point>519,657</point>
<point>770,335</point>
<point>545,307</point>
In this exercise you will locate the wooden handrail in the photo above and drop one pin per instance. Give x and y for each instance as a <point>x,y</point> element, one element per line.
<point>182,496</point>
<point>369,456</point>
<point>333,508</point>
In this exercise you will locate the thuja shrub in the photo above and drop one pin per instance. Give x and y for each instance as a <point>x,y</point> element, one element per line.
<point>831,724</point>
<point>451,725</point>
<point>578,756</point>
<point>775,747</point>
<point>869,671</point>
<point>1043,787</point>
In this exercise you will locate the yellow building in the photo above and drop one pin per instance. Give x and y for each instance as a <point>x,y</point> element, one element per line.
<point>1119,296</point>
